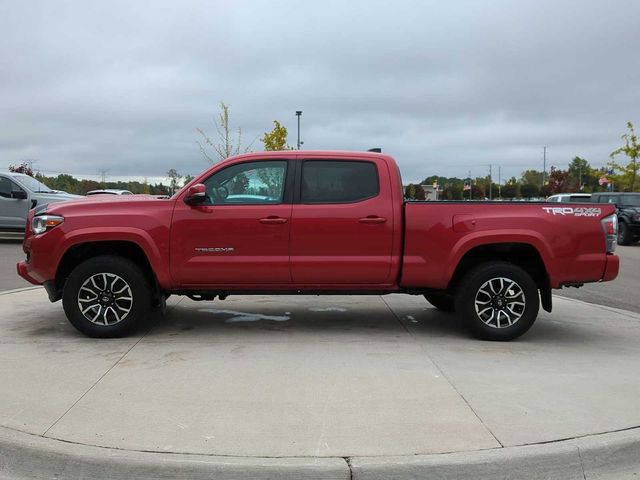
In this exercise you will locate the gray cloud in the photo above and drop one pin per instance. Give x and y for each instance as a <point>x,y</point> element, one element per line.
<point>445,87</point>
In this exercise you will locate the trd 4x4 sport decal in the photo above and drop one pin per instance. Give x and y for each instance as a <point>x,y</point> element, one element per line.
<point>576,212</point>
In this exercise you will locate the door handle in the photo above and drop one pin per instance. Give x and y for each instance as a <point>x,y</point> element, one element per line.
<point>372,219</point>
<point>273,220</point>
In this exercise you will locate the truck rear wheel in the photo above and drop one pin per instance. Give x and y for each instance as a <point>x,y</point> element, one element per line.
<point>498,301</point>
<point>443,302</point>
<point>106,296</point>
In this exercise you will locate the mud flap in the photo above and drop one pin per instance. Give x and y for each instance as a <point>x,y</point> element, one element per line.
<point>545,297</point>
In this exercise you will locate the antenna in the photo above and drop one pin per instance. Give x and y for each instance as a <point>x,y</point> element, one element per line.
<point>375,150</point>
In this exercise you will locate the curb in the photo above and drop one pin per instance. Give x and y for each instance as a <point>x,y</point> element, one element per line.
<point>610,455</point>
<point>26,456</point>
<point>604,456</point>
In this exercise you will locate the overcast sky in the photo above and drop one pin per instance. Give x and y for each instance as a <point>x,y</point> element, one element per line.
<point>445,87</point>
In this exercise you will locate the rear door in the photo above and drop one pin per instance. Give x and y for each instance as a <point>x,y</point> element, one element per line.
<point>240,235</point>
<point>342,222</point>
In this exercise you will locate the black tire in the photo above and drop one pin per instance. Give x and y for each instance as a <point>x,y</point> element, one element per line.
<point>503,306</point>
<point>624,235</point>
<point>115,315</point>
<point>443,302</point>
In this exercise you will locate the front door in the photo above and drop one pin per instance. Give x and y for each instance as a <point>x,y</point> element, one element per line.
<point>240,235</point>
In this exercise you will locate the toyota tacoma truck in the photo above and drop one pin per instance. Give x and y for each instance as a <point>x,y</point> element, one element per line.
<point>313,222</point>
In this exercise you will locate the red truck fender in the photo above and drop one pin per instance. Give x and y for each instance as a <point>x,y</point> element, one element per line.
<point>137,236</point>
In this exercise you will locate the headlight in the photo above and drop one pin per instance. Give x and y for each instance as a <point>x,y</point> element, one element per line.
<point>42,223</point>
<point>636,217</point>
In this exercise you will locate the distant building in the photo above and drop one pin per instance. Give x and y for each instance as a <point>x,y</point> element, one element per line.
<point>431,192</point>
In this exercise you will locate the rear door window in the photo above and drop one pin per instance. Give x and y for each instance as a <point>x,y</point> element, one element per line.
<point>336,181</point>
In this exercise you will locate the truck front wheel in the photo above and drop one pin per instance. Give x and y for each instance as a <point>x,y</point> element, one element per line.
<point>498,301</point>
<point>106,296</point>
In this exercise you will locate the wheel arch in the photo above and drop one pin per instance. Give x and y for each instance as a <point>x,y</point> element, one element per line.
<point>81,251</point>
<point>524,255</point>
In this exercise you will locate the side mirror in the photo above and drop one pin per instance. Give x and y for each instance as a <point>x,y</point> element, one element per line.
<point>196,195</point>
<point>19,194</point>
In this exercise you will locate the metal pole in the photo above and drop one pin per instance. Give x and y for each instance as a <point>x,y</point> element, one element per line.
<point>544,165</point>
<point>499,183</point>
<point>490,182</point>
<point>298,114</point>
<point>580,178</point>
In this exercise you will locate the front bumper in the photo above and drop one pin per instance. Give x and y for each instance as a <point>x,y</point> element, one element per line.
<point>24,271</point>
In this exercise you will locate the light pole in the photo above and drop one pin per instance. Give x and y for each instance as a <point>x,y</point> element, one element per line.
<point>298,114</point>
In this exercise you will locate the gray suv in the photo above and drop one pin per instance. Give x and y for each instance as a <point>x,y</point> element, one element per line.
<point>19,193</point>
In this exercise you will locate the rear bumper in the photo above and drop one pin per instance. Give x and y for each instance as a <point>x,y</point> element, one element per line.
<point>611,268</point>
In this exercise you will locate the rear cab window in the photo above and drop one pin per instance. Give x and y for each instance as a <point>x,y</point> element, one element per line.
<point>338,181</point>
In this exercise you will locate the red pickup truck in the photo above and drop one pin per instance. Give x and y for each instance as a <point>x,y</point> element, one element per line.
<point>313,222</point>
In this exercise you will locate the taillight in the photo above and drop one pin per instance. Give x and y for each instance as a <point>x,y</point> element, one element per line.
<point>610,227</point>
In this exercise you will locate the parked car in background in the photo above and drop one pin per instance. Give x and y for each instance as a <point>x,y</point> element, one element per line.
<point>109,191</point>
<point>19,193</point>
<point>628,210</point>
<point>570,198</point>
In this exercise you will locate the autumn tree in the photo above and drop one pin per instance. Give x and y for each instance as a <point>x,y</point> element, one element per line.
<point>226,143</point>
<point>24,167</point>
<point>276,139</point>
<point>632,150</point>
<point>558,180</point>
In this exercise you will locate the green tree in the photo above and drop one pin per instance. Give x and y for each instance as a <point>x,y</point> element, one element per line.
<point>632,150</point>
<point>477,191</point>
<point>410,191</point>
<point>276,139</point>
<point>452,191</point>
<point>580,174</point>
<point>225,145</point>
<point>528,190</point>
<point>174,179</point>
<point>533,177</point>
<point>510,189</point>
<point>187,179</point>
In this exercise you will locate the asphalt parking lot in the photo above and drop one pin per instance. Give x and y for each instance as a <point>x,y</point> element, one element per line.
<point>621,293</point>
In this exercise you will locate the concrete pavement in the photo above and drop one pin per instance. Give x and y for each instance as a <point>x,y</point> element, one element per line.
<point>373,379</point>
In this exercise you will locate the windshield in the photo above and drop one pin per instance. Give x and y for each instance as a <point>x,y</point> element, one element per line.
<point>33,184</point>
